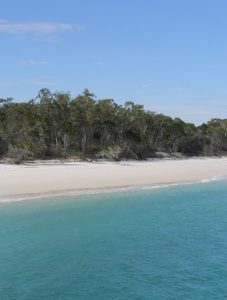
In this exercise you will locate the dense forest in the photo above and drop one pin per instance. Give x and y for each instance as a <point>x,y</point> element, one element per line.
<point>56,125</point>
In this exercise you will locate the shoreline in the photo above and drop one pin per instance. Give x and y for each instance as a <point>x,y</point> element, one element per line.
<point>105,190</point>
<point>40,180</point>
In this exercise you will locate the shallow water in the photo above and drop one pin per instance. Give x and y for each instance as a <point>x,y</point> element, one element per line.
<point>167,243</point>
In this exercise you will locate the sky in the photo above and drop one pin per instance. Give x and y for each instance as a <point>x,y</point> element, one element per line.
<point>170,56</point>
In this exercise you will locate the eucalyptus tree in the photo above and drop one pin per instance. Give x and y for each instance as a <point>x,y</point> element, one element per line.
<point>81,117</point>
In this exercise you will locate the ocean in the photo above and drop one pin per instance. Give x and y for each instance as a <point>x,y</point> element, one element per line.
<point>163,243</point>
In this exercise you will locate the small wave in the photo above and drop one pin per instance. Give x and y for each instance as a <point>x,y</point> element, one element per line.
<point>159,186</point>
<point>206,180</point>
<point>164,185</point>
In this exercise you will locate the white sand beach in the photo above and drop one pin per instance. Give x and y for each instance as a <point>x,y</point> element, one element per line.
<point>49,177</point>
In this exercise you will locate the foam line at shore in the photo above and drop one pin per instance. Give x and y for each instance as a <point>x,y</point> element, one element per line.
<point>76,193</point>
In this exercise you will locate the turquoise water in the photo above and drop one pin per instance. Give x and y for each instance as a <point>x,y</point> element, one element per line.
<point>168,243</point>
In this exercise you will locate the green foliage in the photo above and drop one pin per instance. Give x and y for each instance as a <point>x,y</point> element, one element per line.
<point>58,125</point>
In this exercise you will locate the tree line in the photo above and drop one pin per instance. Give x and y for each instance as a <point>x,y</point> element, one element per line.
<point>57,125</point>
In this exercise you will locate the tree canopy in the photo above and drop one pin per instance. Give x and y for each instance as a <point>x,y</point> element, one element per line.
<point>55,125</point>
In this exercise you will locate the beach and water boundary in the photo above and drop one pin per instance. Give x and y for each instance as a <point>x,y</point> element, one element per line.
<point>158,240</point>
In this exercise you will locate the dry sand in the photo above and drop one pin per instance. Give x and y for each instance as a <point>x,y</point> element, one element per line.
<point>47,178</point>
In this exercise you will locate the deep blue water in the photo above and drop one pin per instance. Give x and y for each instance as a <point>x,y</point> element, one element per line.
<point>169,243</point>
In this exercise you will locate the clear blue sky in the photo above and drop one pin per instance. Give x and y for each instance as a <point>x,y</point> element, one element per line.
<point>170,56</point>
